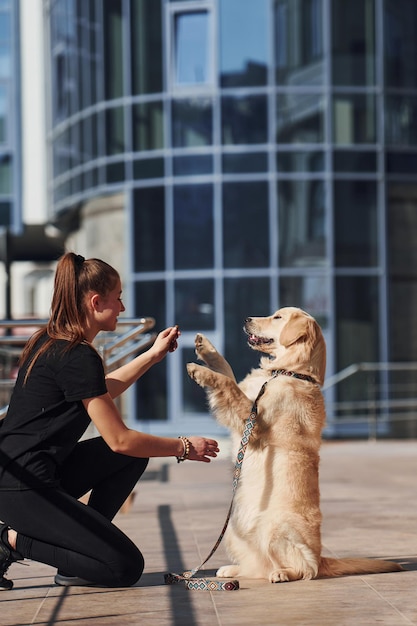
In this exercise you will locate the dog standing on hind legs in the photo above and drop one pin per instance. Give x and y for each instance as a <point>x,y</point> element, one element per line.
<point>274,531</point>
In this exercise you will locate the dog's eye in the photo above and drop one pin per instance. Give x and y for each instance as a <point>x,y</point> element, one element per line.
<point>277,317</point>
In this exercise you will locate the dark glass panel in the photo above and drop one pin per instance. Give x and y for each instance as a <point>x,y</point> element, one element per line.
<point>349,161</point>
<point>192,122</point>
<point>146,42</point>
<point>193,165</point>
<point>400,43</point>
<point>191,48</point>
<point>354,118</point>
<point>148,126</point>
<point>244,30</point>
<point>355,223</point>
<point>300,161</point>
<point>243,297</point>
<point>193,226</point>
<point>115,131</point>
<point>149,229</point>
<point>401,120</point>
<point>245,225</point>
<point>357,332</point>
<point>401,163</point>
<point>353,42</point>
<point>113,48</point>
<point>302,223</point>
<point>244,162</point>
<point>300,118</point>
<point>148,168</point>
<point>5,213</point>
<point>298,39</point>
<point>151,390</point>
<point>6,173</point>
<point>244,120</point>
<point>194,304</point>
<point>115,172</point>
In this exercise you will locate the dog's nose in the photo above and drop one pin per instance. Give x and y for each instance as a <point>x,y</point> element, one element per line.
<point>247,320</point>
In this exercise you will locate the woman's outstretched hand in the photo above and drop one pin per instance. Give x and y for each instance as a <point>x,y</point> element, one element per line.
<point>201,449</point>
<point>166,341</point>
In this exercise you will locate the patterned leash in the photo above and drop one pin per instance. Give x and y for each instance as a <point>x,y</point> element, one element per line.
<point>206,584</point>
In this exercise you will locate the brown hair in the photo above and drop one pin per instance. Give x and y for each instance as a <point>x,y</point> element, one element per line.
<point>75,277</point>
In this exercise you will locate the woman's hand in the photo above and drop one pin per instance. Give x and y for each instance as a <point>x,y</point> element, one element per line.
<point>202,448</point>
<point>165,342</point>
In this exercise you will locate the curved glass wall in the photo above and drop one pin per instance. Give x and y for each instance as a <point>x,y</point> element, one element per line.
<point>268,150</point>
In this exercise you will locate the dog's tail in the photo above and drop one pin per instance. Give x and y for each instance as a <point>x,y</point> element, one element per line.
<point>331,568</point>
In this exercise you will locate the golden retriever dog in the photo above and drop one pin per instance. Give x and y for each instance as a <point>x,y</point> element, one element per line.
<point>274,531</point>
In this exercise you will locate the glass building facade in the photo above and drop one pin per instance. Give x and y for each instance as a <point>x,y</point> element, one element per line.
<point>10,121</point>
<point>267,153</point>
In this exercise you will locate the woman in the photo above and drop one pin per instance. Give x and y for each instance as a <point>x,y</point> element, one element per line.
<point>44,468</point>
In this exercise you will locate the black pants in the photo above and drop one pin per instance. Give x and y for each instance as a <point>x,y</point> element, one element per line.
<point>55,528</point>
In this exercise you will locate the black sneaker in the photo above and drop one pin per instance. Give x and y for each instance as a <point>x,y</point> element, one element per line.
<point>7,557</point>
<point>72,581</point>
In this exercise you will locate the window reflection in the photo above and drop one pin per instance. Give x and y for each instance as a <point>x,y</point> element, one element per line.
<point>310,293</point>
<point>243,42</point>
<point>300,118</point>
<point>148,126</point>
<point>353,42</point>
<point>192,123</point>
<point>245,212</point>
<point>401,120</point>
<point>146,39</point>
<point>115,130</point>
<point>193,226</point>
<point>302,223</point>
<point>194,304</point>
<point>355,219</point>
<point>300,161</point>
<point>354,118</point>
<point>191,48</point>
<point>113,48</point>
<point>298,42</point>
<point>244,120</point>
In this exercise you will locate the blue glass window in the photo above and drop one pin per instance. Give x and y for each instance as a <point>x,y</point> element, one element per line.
<point>191,48</point>
<point>244,28</point>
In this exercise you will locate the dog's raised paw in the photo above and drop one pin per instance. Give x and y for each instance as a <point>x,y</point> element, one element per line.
<point>228,571</point>
<point>197,373</point>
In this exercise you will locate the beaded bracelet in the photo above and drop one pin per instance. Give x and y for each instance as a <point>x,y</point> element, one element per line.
<point>186,453</point>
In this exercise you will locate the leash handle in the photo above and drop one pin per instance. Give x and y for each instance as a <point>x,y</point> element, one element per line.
<point>206,584</point>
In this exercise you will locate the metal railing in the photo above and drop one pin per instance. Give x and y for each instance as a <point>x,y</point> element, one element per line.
<point>131,336</point>
<point>388,406</point>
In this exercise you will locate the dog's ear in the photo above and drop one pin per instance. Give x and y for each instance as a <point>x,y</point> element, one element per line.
<point>297,327</point>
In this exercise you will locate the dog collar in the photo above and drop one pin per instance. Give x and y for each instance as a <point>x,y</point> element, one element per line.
<point>309,379</point>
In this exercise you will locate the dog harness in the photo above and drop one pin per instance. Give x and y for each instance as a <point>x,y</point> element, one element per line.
<point>206,584</point>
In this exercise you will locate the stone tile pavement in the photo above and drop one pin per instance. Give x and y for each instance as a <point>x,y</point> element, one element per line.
<point>369,504</point>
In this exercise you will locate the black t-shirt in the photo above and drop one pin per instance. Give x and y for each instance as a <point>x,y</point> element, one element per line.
<point>46,416</point>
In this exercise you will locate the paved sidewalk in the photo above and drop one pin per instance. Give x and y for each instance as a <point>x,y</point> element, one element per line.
<point>369,504</point>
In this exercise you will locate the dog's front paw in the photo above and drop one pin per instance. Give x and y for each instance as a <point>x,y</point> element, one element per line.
<point>204,349</point>
<point>198,373</point>
<point>228,571</point>
<point>279,576</point>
